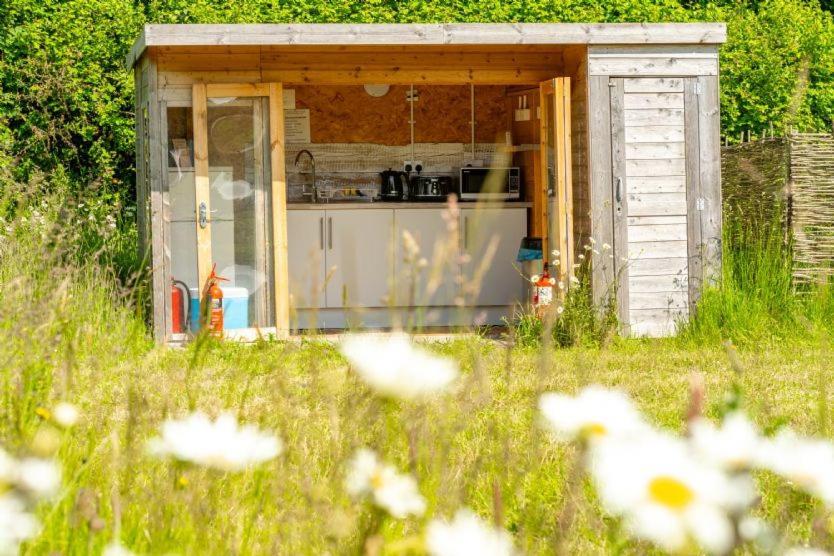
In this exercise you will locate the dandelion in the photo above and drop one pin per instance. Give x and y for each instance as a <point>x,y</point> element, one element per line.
<point>467,535</point>
<point>218,444</point>
<point>666,495</point>
<point>734,445</point>
<point>806,462</point>
<point>393,492</point>
<point>16,524</point>
<point>66,414</point>
<point>394,367</point>
<point>593,414</point>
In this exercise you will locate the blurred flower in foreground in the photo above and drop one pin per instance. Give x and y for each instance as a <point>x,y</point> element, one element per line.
<point>220,444</point>
<point>16,524</point>
<point>808,463</point>
<point>667,496</point>
<point>595,413</point>
<point>393,492</point>
<point>394,366</point>
<point>805,551</point>
<point>467,535</point>
<point>734,445</point>
<point>39,477</point>
<point>66,414</point>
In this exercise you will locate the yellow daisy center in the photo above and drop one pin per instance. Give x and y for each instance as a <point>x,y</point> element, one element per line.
<point>670,492</point>
<point>594,429</point>
<point>377,480</point>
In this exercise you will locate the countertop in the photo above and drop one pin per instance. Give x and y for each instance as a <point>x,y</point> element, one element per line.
<point>362,205</point>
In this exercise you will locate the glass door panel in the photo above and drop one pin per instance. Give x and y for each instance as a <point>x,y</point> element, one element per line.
<point>239,207</point>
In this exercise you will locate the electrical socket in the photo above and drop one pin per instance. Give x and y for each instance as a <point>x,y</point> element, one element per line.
<point>413,163</point>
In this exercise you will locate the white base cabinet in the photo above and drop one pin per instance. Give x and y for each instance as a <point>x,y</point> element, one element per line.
<point>355,259</point>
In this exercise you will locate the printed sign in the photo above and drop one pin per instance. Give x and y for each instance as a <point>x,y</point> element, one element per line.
<point>297,126</point>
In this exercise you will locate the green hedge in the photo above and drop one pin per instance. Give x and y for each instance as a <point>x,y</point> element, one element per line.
<point>66,99</point>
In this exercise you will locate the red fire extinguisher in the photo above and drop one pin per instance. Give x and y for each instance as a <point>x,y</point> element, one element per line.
<point>543,291</point>
<point>180,312</point>
<point>213,302</point>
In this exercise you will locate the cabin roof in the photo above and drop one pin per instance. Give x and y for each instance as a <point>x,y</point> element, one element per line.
<point>404,34</point>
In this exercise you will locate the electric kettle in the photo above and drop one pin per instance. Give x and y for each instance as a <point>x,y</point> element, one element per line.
<point>393,186</point>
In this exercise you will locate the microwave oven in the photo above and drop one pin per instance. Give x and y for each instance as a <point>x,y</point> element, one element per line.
<point>490,184</point>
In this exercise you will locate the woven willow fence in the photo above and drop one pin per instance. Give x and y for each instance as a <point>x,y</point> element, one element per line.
<point>791,180</point>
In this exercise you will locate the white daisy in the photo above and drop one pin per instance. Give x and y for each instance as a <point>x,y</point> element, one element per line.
<point>467,535</point>
<point>535,278</point>
<point>806,462</point>
<point>116,548</point>
<point>393,492</point>
<point>16,524</point>
<point>666,495</point>
<point>66,414</point>
<point>593,414</point>
<point>806,551</point>
<point>394,366</point>
<point>734,445</point>
<point>220,444</point>
<point>40,478</point>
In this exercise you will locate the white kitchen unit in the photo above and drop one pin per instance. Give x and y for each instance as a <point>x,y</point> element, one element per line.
<point>359,245</point>
<point>502,282</point>
<point>360,253</point>
<point>306,256</point>
<point>431,233</point>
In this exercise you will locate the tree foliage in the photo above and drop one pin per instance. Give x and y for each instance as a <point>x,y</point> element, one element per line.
<point>66,99</point>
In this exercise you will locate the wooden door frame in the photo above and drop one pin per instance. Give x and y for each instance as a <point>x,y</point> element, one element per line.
<point>201,92</point>
<point>560,89</point>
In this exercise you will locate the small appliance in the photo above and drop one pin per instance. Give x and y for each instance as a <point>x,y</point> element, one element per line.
<point>393,185</point>
<point>490,184</point>
<point>430,188</point>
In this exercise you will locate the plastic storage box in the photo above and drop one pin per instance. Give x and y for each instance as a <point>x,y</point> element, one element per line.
<point>235,308</point>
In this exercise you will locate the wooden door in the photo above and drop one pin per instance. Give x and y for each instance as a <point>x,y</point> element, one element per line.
<point>359,262</point>
<point>435,285</point>
<point>240,194</point>
<point>555,198</point>
<point>654,152</point>
<point>491,238</point>
<point>306,258</point>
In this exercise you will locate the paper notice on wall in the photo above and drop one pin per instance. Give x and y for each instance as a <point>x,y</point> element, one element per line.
<point>289,99</point>
<point>297,125</point>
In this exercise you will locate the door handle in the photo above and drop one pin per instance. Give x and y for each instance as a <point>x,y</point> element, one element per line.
<point>321,233</point>
<point>330,232</point>
<point>619,190</point>
<point>203,215</point>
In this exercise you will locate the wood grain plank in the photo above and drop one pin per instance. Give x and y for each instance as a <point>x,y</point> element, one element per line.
<point>657,204</point>
<point>654,116</point>
<point>621,201</point>
<point>201,182</point>
<point>647,151</point>
<point>659,300</point>
<point>654,133</point>
<point>693,192</point>
<point>601,198</point>
<point>279,209</point>
<point>656,184</point>
<point>656,167</point>
<point>653,85</point>
<point>669,266</point>
<point>657,250</point>
<point>638,65</point>
<point>657,232</point>
<point>710,170</point>
<point>653,220</point>
<point>658,283</point>
<point>640,101</point>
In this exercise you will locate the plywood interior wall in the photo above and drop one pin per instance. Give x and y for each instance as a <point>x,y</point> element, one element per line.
<point>347,114</point>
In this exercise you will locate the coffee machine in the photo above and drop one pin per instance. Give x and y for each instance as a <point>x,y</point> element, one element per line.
<point>393,185</point>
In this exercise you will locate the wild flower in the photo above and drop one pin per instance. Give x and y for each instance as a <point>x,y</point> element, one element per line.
<point>395,493</point>
<point>805,551</point>
<point>16,524</point>
<point>467,535</point>
<point>39,477</point>
<point>393,366</point>
<point>734,445</point>
<point>665,494</point>
<point>219,444</point>
<point>555,252</point>
<point>116,548</point>
<point>65,414</point>
<point>606,247</point>
<point>807,463</point>
<point>535,278</point>
<point>595,413</point>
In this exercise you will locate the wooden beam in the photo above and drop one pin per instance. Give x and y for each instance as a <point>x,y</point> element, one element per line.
<point>542,184</point>
<point>279,209</point>
<point>601,198</point>
<point>560,216</point>
<point>568,199</point>
<point>201,183</point>
<point>405,76</point>
<point>215,90</point>
<point>622,249</point>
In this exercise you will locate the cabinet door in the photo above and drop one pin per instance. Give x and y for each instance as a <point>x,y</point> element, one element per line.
<point>501,283</point>
<point>359,246</point>
<point>305,238</point>
<point>429,230</point>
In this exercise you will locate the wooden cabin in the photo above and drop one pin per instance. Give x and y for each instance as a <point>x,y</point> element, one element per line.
<point>294,157</point>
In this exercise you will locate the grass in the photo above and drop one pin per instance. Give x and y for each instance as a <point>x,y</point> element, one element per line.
<point>69,333</point>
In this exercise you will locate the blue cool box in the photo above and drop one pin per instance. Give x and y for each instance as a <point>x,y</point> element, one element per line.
<point>235,308</point>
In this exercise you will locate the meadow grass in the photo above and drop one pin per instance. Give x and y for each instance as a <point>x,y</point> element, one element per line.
<point>69,332</point>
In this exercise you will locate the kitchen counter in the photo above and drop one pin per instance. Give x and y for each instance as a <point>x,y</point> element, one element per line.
<point>403,205</point>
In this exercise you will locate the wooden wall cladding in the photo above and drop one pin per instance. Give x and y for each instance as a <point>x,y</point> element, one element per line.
<point>347,114</point>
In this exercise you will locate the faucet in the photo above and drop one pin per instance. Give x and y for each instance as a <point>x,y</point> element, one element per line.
<point>315,194</point>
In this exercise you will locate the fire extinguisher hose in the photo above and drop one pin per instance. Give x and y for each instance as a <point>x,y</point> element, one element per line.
<point>187,311</point>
